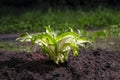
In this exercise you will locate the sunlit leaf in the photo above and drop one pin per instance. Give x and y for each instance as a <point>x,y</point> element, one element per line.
<point>57,47</point>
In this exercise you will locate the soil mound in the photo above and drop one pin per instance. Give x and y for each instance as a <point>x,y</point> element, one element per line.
<point>89,65</point>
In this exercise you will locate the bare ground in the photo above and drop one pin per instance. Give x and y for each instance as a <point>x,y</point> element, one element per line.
<point>89,65</point>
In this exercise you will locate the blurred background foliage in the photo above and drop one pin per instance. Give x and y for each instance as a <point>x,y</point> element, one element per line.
<point>18,16</point>
<point>101,18</point>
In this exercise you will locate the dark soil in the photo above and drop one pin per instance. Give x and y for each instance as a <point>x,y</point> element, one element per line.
<point>8,37</point>
<point>89,65</point>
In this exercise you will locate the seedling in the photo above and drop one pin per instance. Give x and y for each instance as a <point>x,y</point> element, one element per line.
<point>56,46</point>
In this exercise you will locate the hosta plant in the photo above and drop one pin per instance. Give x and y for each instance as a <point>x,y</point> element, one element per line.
<point>56,46</point>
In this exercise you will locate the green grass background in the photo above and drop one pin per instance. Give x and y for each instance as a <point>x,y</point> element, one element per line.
<point>14,20</point>
<point>102,24</point>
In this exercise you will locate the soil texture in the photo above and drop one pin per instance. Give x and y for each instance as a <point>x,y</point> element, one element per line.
<point>88,65</point>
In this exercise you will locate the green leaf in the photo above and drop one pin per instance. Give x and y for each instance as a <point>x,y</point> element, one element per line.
<point>24,37</point>
<point>66,34</point>
<point>57,47</point>
<point>75,53</point>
